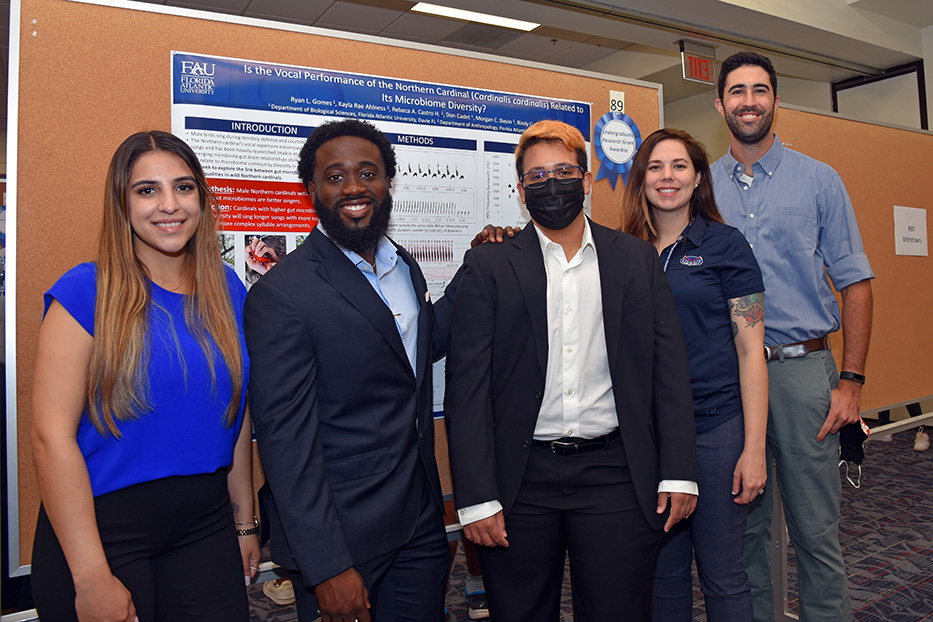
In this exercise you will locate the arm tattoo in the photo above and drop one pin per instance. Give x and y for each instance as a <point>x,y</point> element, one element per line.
<point>235,507</point>
<point>750,307</point>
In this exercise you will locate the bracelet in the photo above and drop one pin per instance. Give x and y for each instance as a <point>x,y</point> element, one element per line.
<point>851,375</point>
<point>254,522</point>
<point>252,530</point>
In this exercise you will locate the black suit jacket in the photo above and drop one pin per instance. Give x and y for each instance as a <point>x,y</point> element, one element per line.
<point>343,423</point>
<point>497,362</point>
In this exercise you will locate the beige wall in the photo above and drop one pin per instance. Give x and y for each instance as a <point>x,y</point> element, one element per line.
<point>893,101</point>
<point>697,116</point>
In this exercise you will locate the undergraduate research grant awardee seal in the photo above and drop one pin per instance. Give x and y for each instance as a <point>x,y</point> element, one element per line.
<point>616,139</point>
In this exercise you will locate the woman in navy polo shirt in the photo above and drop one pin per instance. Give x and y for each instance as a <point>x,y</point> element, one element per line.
<point>720,300</point>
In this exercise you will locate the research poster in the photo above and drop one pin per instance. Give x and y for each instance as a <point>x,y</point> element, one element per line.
<point>248,120</point>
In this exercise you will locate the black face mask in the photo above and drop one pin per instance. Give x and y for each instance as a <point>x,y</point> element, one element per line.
<point>852,443</point>
<point>852,448</point>
<point>555,205</point>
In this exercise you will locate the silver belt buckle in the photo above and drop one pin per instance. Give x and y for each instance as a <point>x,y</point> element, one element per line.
<point>563,445</point>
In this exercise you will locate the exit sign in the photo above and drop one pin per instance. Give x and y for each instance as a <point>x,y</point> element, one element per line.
<point>699,62</point>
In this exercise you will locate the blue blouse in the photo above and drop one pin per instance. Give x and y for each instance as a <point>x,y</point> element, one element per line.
<point>710,266</point>
<point>184,432</point>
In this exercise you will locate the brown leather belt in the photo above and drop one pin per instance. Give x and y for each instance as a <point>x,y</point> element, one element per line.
<point>569,446</point>
<point>796,350</point>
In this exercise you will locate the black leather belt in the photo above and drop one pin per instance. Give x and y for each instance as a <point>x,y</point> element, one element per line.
<point>568,446</point>
<point>795,350</point>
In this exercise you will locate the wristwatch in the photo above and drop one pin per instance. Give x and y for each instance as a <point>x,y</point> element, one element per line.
<point>851,375</point>
<point>249,531</point>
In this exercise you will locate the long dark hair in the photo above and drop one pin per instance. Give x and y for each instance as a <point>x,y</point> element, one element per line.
<point>637,218</point>
<point>118,384</point>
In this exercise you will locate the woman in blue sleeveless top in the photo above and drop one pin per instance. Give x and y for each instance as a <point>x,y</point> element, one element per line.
<point>141,442</point>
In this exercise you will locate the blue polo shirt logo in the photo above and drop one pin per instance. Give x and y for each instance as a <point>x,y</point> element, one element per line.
<point>691,260</point>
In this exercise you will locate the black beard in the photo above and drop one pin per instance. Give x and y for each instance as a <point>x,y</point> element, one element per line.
<point>360,240</point>
<point>750,135</point>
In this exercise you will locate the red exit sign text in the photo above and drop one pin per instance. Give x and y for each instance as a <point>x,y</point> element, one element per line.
<point>698,68</point>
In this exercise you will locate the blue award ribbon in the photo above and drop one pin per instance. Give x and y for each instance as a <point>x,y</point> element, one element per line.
<point>607,167</point>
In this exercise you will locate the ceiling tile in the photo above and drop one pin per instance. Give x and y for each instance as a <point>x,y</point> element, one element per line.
<point>402,6</point>
<point>559,33</point>
<point>422,27</point>
<point>153,1</point>
<point>234,7</point>
<point>536,47</point>
<point>581,54</point>
<point>605,42</point>
<point>368,19</point>
<point>482,36</point>
<point>305,12</point>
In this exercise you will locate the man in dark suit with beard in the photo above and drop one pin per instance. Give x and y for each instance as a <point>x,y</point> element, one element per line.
<point>341,338</point>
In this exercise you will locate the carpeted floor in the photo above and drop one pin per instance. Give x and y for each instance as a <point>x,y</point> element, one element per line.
<point>261,609</point>
<point>886,535</point>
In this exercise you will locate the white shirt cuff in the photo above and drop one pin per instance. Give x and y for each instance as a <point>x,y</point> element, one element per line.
<point>473,513</point>
<point>678,485</point>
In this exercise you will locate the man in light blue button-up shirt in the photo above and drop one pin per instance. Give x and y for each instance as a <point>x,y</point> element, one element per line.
<point>797,216</point>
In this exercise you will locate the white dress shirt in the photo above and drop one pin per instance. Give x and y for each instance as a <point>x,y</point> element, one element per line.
<point>578,400</point>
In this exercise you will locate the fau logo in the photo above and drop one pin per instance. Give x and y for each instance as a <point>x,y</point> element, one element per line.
<point>197,69</point>
<point>691,260</point>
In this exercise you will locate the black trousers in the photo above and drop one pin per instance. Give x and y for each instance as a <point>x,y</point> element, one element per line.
<point>172,544</point>
<point>583,505</point>
<point>406,585</point>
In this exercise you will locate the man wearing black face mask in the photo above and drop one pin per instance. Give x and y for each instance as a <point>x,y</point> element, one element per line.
<point>568,403</point>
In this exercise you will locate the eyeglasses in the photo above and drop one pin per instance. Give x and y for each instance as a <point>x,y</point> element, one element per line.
<point>563,174</point>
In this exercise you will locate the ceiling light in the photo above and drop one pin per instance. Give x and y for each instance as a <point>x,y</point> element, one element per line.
<point>472,16</point>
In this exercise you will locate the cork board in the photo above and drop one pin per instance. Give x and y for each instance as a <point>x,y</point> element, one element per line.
<point>881,167</point>
<point>91,75</point>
